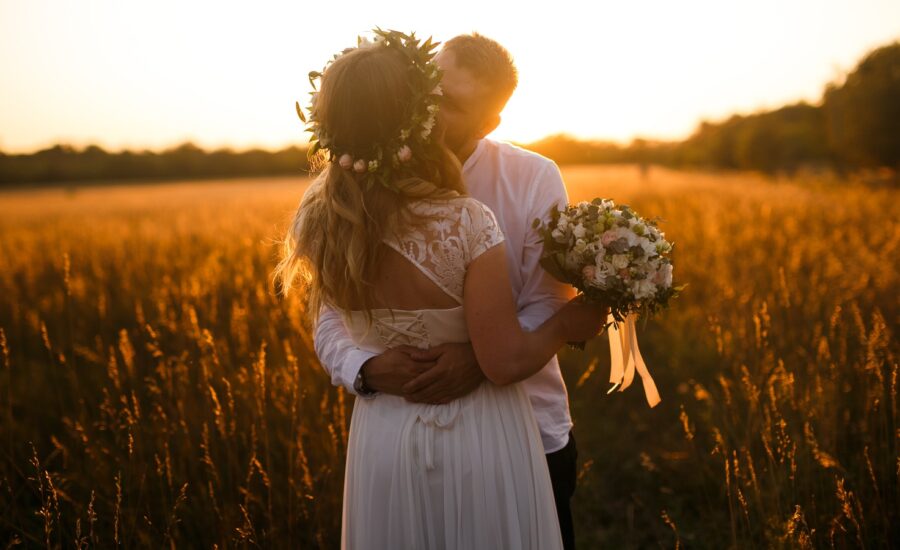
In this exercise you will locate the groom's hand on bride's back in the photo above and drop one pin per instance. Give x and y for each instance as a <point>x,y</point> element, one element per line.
<point>454,374</point>
<point>390,371</point>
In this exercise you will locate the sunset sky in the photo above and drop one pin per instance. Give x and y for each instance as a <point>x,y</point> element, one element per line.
<point>141,74</point>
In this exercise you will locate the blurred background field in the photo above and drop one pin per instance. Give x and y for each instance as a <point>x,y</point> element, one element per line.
<point>155,392</point>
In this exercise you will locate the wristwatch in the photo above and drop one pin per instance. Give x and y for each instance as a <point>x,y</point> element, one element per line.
<point>359,385</point>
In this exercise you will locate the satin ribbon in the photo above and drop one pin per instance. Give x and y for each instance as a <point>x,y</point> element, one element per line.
<point>625,358</point>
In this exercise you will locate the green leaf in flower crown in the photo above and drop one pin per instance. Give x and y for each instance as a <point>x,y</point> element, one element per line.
<point>313,75</point>
<point>300,112</point>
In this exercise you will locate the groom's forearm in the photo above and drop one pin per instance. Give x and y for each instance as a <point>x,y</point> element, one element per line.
<point>337,352</point>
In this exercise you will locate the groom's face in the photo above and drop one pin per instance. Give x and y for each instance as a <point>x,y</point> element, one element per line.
<point>465,112</point>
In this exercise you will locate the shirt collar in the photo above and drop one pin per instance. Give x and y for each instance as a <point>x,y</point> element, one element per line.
<point>473,158</point>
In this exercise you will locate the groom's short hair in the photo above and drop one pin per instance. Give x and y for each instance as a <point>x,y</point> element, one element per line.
<point>488,62</point>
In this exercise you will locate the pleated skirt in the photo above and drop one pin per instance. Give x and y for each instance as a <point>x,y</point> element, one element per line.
<point>470,474</point>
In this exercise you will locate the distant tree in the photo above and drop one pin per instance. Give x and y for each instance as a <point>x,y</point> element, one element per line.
<point>783,139</point>
<point>863,113</point>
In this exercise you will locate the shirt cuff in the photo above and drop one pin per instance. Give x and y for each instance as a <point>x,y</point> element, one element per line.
<point>355,359</point>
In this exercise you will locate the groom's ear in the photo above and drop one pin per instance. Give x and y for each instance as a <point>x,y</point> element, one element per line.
<point>490,124</point>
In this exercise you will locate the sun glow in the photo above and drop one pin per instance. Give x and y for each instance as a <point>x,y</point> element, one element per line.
<point>150,75</point>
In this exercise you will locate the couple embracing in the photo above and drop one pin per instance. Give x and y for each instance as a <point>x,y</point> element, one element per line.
<point>417,251</point>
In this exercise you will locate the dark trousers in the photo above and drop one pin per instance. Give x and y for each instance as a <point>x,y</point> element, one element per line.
<point>564,476</point>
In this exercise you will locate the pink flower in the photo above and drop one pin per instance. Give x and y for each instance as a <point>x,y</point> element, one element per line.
<point>663,277</point>
<point>404,154</point>
<point>608,237</point>
<point>346,161</point>
<point>623,273</point>
<point>360,166</point>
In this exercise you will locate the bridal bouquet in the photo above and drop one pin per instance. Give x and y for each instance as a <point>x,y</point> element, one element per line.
<point>610,254</point>
<point>618,259</point>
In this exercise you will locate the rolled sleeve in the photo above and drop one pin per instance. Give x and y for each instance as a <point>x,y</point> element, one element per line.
<point>339,355</point>
<point>542,295</point>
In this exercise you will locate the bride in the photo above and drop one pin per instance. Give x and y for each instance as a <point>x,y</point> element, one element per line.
<point>387,236</point>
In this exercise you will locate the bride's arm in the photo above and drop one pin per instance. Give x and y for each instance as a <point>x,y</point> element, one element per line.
<point>505,352</point>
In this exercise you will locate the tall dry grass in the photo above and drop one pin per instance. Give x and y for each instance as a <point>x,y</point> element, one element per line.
<point>154,391</point>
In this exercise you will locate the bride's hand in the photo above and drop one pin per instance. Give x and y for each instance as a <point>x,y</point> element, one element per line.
<point>582,321</point>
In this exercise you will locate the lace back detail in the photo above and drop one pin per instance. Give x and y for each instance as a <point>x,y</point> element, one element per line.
<point>456,232</point>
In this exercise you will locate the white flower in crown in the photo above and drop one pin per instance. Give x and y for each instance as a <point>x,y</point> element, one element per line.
<point>404,135</point>
<point>426,127</point>
<point>373,165</point>
<point>437,90</point>
<point>359,166</point>
<point>366,42</point>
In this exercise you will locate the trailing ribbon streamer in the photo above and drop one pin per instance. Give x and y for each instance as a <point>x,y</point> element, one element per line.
<point>625,357</point>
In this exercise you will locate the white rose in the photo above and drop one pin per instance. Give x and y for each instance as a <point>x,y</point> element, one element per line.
<point>579,231</point>
<point>558,236</point>
<point>605,269</point>
<point>664,276</point>
<point>648,248</point>
<point>643,289</point>
<point>580,246</point>
<point>620,261</point>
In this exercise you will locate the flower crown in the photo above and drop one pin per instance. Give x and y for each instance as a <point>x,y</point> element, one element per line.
<point>383,160</point>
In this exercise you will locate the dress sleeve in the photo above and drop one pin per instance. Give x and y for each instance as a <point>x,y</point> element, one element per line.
<point>482,230</point>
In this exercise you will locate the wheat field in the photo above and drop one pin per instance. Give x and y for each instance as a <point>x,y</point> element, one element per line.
<point>154,392</point>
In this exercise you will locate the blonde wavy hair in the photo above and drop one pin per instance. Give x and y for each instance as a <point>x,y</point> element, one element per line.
<point>333,246</point>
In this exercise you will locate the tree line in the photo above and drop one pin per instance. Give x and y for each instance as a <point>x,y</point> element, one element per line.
<point>855,125</point>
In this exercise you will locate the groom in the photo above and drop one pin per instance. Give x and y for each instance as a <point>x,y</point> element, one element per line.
<point>519,186</point>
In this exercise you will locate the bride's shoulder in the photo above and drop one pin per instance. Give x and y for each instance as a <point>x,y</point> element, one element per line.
<point>475,216</point>
<point>451,206</point>
<point>470,205</point>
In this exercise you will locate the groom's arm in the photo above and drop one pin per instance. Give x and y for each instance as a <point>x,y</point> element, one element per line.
<point>541,295</point>
<point>343,360</point>
<point>338,354</point>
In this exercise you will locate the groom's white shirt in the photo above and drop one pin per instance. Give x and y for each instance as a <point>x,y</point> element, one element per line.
<point>518,186</point>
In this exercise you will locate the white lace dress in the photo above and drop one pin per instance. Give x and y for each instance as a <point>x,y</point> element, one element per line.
<point>470,474</point>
